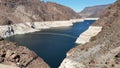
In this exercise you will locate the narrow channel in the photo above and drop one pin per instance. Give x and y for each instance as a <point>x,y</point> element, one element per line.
<point>52,44</point>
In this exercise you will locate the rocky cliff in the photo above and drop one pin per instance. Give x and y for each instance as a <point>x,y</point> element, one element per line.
<point>19,56</point>
<point>21,11</point>
<point>93,12</point>
<point>103,51</point>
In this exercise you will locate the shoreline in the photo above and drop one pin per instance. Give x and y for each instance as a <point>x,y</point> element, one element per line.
<point>82,39</point>
<point>91,18</point>
<point>86,36</point>
<point>23,28</point>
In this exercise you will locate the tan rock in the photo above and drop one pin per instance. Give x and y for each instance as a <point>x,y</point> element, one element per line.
<point>19,56</point>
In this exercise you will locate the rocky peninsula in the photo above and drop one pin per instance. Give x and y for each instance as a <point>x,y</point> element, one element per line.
<point>86,36</point>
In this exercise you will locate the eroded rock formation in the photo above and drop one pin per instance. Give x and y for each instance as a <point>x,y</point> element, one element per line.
<point>19,56</point>
<point>104,49</point>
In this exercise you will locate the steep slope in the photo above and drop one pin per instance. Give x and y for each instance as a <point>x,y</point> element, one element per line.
<point>20,11</point>
<point>104,49</point>
<point>93,12</point>
<point>60,12</point>
<point>19,56</point>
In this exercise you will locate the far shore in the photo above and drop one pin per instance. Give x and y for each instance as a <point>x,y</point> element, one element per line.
<point>91,18</point>
<point>23,28</point>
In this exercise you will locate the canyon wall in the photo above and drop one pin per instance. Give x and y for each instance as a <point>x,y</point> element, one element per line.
<point>21,11</point>
<point>103,50</point>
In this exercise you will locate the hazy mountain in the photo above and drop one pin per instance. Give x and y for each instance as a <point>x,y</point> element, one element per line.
<point>93,11</point>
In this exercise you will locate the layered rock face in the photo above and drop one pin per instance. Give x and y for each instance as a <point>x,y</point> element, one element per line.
<point>21,11</point>
<point>19,56</point>
<point>103,51</point>
<point>93,12</point>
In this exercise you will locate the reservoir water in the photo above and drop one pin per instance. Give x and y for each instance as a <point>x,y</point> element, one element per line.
<point>52,44</point>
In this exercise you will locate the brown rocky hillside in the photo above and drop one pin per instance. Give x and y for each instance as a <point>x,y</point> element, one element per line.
<point>20,11</point>
<point>19,56</point>
<point>104,50</point>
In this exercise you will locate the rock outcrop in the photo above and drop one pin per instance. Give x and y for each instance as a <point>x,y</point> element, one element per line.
<point>86,36</point>
<point>103,51</point>
<point>4,20</point>
<point>21,11</point>
<point>19,56</point>
<point>93,12</point>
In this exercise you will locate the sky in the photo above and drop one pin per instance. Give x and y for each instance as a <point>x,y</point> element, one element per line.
<point>78,5</point>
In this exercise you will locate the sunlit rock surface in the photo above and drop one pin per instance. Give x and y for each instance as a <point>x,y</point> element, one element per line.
<point>103,50</point>
<point>19,56</point>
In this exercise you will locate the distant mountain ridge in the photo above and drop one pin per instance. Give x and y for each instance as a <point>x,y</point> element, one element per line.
<point>93,11</point>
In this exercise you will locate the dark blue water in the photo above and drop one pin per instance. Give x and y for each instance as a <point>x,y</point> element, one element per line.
<point>52,44</point>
